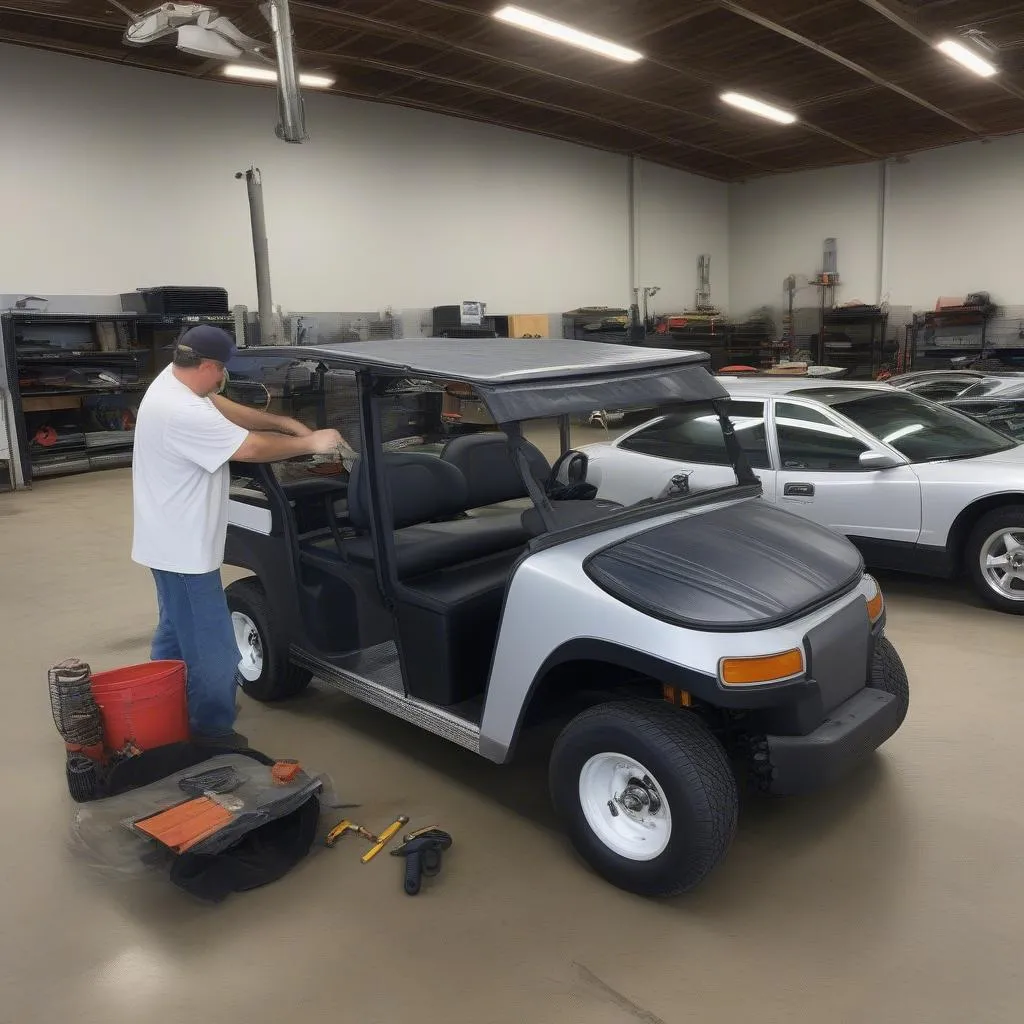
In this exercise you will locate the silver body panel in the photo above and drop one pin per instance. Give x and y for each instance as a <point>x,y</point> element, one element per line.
<point>551,601</point>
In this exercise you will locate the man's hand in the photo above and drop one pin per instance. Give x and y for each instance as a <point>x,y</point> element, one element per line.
<point>324,442</point>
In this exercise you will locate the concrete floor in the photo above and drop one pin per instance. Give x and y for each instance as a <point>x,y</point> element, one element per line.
<point>898,896</point>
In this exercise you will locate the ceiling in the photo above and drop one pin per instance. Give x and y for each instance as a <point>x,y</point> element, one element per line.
<point>861,74</point>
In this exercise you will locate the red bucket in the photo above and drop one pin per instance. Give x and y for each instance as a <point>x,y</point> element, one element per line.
<point>144,706</point>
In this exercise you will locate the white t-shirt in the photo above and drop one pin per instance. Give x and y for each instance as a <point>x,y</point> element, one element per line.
<point>180,478</point>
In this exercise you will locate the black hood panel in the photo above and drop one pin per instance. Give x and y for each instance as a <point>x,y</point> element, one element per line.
<point>745,566</point>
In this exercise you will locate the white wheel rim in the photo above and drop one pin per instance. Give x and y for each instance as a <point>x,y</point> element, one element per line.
<point>625,806</point>
<point>250,647</point>
<point>1002,563</point>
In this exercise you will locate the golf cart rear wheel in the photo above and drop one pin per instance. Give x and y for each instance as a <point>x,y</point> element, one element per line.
<point>265,671</point>
<point>646,794</point>
<point>995,558</point>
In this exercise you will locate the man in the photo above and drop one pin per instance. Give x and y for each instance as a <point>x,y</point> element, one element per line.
<point>185,435</point>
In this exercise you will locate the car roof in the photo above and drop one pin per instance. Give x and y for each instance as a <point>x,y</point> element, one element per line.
<point>493,361</point>
<point>762,386</point>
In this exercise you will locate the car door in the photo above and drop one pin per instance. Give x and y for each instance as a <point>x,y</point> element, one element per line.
<point>821,476</point>
<point>689,441</point>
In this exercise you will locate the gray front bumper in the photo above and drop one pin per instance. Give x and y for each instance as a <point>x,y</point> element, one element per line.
<point>849,733</point>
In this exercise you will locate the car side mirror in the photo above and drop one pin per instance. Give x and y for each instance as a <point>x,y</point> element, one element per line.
<point>878,460</point>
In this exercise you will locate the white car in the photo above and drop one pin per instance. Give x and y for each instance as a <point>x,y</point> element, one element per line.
<point>916,486</point>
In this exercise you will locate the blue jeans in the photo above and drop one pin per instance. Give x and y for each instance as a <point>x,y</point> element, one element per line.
<point>195,627</point>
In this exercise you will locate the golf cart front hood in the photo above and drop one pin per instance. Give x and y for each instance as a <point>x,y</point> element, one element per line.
<point>744,566</point>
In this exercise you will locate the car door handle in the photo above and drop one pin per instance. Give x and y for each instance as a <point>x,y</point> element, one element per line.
<point>798,491</point>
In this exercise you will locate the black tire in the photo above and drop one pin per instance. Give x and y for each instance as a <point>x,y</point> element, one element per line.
<point>279,679</point>
<point>1009,517</point>
<point>889,675</point>
<point>692,774</point>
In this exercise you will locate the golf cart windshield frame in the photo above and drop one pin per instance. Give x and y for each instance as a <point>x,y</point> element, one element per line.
<point>515,403</point>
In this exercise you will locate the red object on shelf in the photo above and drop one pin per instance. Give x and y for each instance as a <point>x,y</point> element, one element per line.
<point>142,706</point>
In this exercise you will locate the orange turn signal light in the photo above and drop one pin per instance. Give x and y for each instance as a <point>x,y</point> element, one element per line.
<point>769,669</point>
<point>876,605</point>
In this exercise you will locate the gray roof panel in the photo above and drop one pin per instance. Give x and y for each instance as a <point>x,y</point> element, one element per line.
<point>495,361</point>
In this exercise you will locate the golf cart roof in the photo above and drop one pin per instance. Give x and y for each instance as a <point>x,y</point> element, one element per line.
<point>535,378</point>
<point>495,361</point>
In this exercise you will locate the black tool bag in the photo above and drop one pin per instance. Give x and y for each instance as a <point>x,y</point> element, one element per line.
<point>262,856</point>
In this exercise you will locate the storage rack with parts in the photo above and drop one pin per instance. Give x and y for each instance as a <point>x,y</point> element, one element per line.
<point>75,381</point>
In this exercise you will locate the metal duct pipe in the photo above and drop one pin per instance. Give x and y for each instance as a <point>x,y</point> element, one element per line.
<point>261,255</point>
<point>292,127</point>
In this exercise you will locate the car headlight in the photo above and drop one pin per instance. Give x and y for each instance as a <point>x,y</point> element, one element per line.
<point>876,603</point>
<point>770,668</point>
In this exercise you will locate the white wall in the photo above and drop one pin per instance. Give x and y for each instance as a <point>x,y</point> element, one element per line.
<point>778,226</point>
<point>956,223</point>
<point>680,217</point>
<point>954,218</point>
<point>115,178</point>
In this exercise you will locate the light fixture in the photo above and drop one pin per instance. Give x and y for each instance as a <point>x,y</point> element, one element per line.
<point>752,106</point>
<point>252,73</point>
<point>968,58</point>
<point>512,15</point>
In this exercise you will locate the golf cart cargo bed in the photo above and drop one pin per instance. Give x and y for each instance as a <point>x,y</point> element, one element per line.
<point>744,566</point>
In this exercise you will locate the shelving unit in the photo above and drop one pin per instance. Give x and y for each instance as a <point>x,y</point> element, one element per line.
<point>75,381</point>
<point>854,338</point>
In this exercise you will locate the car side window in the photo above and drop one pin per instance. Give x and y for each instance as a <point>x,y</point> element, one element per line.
<point>695,435</point>
<point>809,440</point>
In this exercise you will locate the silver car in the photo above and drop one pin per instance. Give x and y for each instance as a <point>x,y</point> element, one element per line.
<point>916,486</point>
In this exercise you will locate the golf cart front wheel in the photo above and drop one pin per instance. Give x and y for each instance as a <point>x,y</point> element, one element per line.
<point>263,666</point>
<point>647,795</point>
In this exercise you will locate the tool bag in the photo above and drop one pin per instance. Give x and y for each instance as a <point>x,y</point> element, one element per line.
<point>261,856</point>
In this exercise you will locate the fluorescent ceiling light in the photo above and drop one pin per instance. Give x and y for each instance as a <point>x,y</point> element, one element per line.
<point>251,73</point>
<point>566,33</point>
<point>962,55</point>
<point>752,106</point>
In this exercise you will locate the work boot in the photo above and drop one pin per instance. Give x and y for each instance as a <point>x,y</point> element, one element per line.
<point>227,740</point>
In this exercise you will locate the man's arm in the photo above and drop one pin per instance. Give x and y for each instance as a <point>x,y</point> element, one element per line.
<point>267,446</point>
<point>255,419</point>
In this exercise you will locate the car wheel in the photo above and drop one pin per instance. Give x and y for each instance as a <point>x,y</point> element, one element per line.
<point>995,558</point>
<point>647,795</point>
<point>265,670</point>
<point>889,675</point>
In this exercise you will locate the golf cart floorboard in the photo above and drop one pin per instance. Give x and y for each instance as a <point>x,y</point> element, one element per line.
<point>382,688</point>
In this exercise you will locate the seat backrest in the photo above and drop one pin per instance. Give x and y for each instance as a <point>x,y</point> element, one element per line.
<point>422,488</point>
<point>489,468</point>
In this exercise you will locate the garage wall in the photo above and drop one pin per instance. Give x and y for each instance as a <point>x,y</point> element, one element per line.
<point>953,220</point>
<point>778,226</point>
<point>679,218</point>
<point>115,177</point>
<point>955,224</point>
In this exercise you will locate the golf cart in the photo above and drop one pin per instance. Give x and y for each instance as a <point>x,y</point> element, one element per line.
<point>460,581</point>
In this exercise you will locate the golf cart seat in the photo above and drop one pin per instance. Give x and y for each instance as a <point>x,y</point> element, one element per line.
<point>427,495</point>
<point>489,470</point>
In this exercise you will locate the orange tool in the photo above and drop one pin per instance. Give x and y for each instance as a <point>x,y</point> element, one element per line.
<point>183,826</point>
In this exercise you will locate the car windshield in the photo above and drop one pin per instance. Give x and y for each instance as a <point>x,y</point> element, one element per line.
<point>919,430</point>
<point>1013,387</point>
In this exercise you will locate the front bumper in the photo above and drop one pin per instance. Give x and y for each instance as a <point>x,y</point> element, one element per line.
<point>849,734</point>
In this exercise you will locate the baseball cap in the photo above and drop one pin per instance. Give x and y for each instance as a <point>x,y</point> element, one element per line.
<point>209,342</point>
